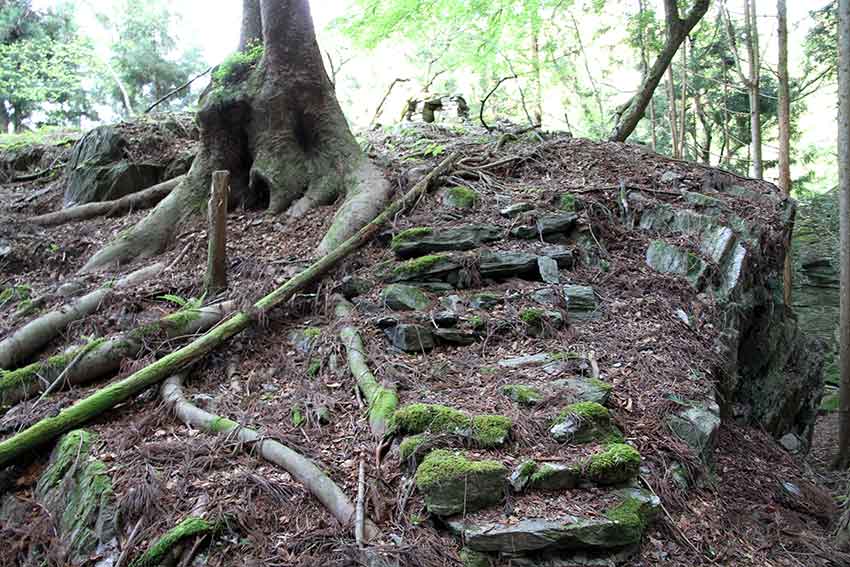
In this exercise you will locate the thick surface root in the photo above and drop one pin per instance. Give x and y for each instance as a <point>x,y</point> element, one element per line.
<point>301,468</point>
<point>35,335</point>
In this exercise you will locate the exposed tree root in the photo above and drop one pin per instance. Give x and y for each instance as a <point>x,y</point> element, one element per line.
<point>108,397</point>
<point>103,357</point>
<point>157,552</point>
<point>137,201</point>
<point>381,401</point>
<point>35,335</point>
<point>301,468</point>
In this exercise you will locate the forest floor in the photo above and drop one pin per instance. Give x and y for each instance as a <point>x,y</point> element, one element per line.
<point>734,516</point>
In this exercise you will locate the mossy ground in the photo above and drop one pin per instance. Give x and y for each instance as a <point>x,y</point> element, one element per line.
<point>522,394</point>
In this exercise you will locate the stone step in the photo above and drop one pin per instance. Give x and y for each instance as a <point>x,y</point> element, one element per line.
<point>423,240</point>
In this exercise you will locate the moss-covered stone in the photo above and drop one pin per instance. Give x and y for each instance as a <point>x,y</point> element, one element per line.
<point>584,422</point>
<point>490,430</point>
<point>567,202</point>
<point>532,316</point>
<point>460,198</point>
<point>157,552</point>
<point>400,297</point>
<point>616,464</point>
<point>409,235</point>
<point>522,394</point>
<point>483,430</point>
<point>548,476</point>
<point>453,483</point>
<point>471,558</point>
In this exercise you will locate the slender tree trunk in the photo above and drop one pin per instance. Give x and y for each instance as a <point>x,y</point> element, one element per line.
<point>754,88</point>
<point>843,458</point>
<point>644,57</point>
<point>4,118</point>
<point>677,30</point>
<point>672,114</point>
<point>535,64</point>
<point>683,117</point>
<point>785,132</point>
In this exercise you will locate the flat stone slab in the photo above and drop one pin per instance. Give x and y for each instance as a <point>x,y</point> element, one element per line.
<point>527,361</point>
<point>698,426</point>
<point>411,338</point>
<point>565,533</point>
<point>546,226</point>
<point>507,264</point>
<point>582,303</point>
<point>424,240</point>
<point>581,389</point>
<point>401,297</point>
<point>453,484</point>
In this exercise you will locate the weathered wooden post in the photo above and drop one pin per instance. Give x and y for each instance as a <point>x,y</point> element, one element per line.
<point>216,278</point>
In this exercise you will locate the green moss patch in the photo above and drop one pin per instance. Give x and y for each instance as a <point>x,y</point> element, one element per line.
<point>532,316</point>
<point>156,553</point>
<point>483,430</point>
<point>522,394</point>
<point>409,235</point>
<point>442,465</point>
<point>460,198</point>
<point>409,446</point>
<point>586,411</point>
<point>417,265</point>
<point>567,202</point>
<point>618,463</point>
<point>237,65</point>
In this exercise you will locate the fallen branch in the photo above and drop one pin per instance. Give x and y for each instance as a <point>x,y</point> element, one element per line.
<point>301,468</point>
<point>108,397</point>
<point>159,549</point>
<point>37,174</point>
<point>381,401</point>
<point>384,100</point>
<point>103,357</point>
<point>137,201</point>
<point>35,335</point>
<point>360,508</point>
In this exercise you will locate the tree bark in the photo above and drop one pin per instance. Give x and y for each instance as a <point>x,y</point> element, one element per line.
<point>645,72</point>
<point>785,133</point>
<point>276,125</point>
<point>754,86</point>
<point>672,114</point>
<point>843,458</point>
<point>677,30</point>
<point>137,201</point>
<point>535,66</point>
<point>252,24</point>
<point>683,117</point>
<point>216,278</point>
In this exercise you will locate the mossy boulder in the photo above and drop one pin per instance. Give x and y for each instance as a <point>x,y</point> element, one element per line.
<point>459,198</point>
<point>579,389</point>
<point>698,426</point>
<point>485,300</point>
<point>584,422</point>
<point>616,464</point>
<point>400,297</point>
<point>541,323</point>
<point>430,268</point>
<point>522,394</point>
<point>483,430</point>
<point>76,491</point>
<point>453,483</point>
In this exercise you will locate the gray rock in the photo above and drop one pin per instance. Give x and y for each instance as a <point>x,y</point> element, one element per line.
<point>516,209</point>
<point>304,339</point>
<point>527,361</point>
<point>547,296</point>
<point>569,532</point>
<point>97,170</point>
<point>445,319</point>
<point>456,337</point>
<point>791,443</point>
<point>579,389</point>
<point>564,255</point>
<point>417,242</point>
<point>452,303</point>
<point>549,271</point>
<point>546,226</point>
<point>411,338</point>
<point>438,268</point>
<point>547,476</point>
<point>507,264</point>
<point>5,248</point>
<point>539,323</point>
<point>433,287</point>
<point>581,302</point>
<point>352,286</point>
<point>485,300</point>
<point>668,259</point>
<point>400,297</point>
<point>698,426</point>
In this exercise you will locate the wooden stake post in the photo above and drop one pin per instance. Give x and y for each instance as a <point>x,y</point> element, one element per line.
<point>216,278</point>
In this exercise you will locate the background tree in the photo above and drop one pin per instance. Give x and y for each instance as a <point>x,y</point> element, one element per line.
<point>272,120</point>
<point>146,60</point>
<point>842,459</point>
<point>43,61</point>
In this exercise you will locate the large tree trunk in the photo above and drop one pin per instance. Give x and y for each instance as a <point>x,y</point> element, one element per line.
<point>677,30</point>
<point>843,457</point>
<point>277,127</point>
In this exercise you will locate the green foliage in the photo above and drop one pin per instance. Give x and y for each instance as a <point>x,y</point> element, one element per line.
<point>238,64</point>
